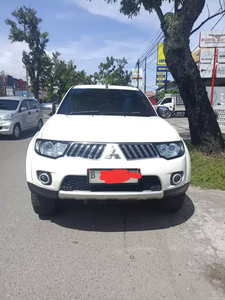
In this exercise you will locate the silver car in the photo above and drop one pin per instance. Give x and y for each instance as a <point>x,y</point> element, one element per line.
<point>18,114</point>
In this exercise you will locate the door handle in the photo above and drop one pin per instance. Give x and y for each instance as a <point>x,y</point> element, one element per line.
<point>29,112</point>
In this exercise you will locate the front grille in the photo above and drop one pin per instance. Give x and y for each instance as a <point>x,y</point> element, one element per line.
<point>80,183</point>
<point>91,151</point>
<point>138,151</point>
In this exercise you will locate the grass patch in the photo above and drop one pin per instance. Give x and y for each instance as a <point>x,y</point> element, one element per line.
<point>206,172</point>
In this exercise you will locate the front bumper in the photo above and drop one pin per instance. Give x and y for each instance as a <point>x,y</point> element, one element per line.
<point>6,127</point>
<point>87,195</point>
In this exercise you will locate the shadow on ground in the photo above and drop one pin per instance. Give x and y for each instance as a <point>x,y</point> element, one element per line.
<point>24,135</point>
<point>120,217</point>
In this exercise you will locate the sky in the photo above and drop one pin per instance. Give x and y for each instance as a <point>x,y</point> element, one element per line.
<point>88,32</point>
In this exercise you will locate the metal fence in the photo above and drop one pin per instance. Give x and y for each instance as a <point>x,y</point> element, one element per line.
<point>221,117</point>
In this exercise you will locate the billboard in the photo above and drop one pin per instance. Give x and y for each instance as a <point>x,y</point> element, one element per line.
<point>212,39</point>
<point>134,83</point>
<point>207,55</point>
<point>196,55</point>
<point>161,60</point>
<point>135,73</point>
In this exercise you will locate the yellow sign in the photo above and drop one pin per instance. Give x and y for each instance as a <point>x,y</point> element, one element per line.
<point>196,55</point>
<point>161,61</point>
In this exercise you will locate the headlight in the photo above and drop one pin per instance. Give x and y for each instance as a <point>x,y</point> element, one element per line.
<point>53,149</point>
<point>8,117</point>
<point>170,150</point>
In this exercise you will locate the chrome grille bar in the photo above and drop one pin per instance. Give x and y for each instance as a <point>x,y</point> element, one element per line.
<point>143,148</point>
<point>123,147</point>
<point>138,151</point>
<point>132,150</point>
<point>90,151</point>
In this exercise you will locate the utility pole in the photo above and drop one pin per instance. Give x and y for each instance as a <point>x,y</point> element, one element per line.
<point>214,75</point>
<point>138,63</point>
<point>145,73</point>
<point>166,81</point>
<point>28,94</point>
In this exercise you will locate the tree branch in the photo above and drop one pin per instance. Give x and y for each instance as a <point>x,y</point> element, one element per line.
<point>158,11</point>
<point>206,20</point>
<point>175,6</point>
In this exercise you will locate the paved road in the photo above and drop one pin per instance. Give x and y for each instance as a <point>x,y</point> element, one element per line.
<point>107,251</point>
<point>182,126</point>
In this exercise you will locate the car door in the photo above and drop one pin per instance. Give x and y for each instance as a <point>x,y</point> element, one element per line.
<point>168,103</point>
<point>38,111</point>
<point>24,115</point>
<point>34,111</point>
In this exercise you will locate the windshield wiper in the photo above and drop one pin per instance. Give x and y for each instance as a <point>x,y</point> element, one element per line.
<point>83,112</point>
<point>121,113</point>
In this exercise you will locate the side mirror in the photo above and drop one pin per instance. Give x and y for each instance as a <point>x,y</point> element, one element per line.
<point>23,109</point>
<point>162,111</point>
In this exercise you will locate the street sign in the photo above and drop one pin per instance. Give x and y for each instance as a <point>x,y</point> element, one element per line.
<point>162,69</point>
<point>207,55</point>
<point>221,55</point>
<point>220,72</point>
<point>159,79</point>
<point>212,39</point>
<point>206,70</point>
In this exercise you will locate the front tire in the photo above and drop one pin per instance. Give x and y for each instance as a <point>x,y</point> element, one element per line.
<point>16,132</point>
<point>169,114</point>
<point>40,124</point>
<point>43,206</point>
<point>172,204</point>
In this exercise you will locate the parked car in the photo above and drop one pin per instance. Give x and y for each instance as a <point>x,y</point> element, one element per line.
<point>174,103</point>
<point>107,142</point>
<point>18,114</point>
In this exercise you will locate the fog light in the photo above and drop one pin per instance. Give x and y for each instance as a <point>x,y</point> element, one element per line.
<point>44,177</point>
<point>176,178</point>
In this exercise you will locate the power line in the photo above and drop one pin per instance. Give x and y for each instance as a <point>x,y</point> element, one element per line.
<point>5,56</point>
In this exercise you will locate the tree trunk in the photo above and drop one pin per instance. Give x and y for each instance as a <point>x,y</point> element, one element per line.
<point>204,129</point>
<point>36,88</point>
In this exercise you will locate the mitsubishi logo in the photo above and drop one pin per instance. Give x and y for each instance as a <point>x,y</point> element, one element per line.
<point>113,154</point>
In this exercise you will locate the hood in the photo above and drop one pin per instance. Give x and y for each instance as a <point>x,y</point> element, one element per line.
<point>108,129</point>
<point>4,113</point>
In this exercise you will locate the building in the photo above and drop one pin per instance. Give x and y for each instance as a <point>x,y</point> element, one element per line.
<point>10,86</point>
<point>151,97</point>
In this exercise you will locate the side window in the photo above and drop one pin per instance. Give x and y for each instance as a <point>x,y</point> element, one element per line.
<point>167,100</point>
<point>32,104</point>
<point>37,104</point>
<point>24,105</point>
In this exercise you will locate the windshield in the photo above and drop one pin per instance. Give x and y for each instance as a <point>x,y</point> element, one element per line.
<point>106,102</point>
<point>9,104</point>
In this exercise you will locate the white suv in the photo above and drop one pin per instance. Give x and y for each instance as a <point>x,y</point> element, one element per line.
<point>107,142</point>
